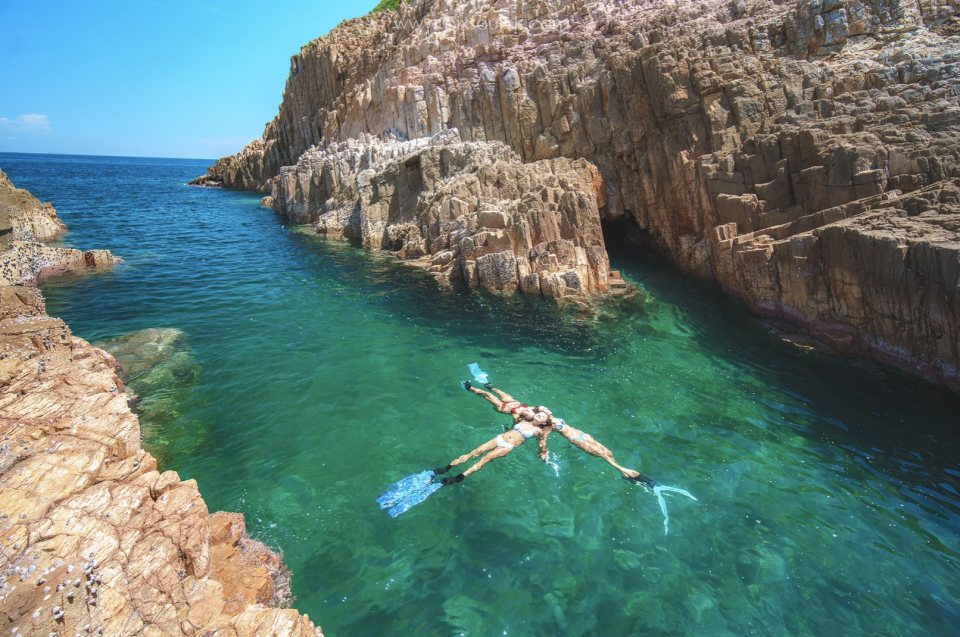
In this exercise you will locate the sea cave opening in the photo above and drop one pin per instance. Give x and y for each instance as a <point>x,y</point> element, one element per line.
<point>623,237</point>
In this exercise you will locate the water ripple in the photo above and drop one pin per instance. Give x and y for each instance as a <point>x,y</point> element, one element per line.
<point>827,485</point>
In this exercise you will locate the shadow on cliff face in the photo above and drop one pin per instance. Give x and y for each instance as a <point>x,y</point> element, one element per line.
<point>157,366</point>
<point>858,403</point>
<point>624,236</point>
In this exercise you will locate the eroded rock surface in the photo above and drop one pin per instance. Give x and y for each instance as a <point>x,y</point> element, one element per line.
<point>877,276</point>
<point>25,224</point>
<point>94,539</point>
<point>461,210</point>
<point>777,117</point>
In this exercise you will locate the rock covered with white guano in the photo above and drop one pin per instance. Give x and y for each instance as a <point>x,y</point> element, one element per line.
<point>25,224</point>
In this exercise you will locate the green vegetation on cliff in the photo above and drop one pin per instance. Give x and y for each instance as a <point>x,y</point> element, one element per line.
<point>385,5</point>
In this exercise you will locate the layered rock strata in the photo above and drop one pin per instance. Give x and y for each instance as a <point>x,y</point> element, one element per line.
<point>25,224</point>
<point>96,541</point>
<point>469,211</point>
<point>767,115</point>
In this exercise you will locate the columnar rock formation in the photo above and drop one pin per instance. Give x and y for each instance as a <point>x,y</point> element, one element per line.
<point>24,224</point>
<point>781,118</point>
<point>94,540</point>
<point>461,210</point>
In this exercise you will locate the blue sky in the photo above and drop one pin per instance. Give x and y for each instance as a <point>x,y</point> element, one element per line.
<point>153,79</point>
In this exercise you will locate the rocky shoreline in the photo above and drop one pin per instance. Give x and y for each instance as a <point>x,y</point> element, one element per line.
<point>803,153</point>
<point>25,225</point>
<point>470,211</point>
<point>94,539</point>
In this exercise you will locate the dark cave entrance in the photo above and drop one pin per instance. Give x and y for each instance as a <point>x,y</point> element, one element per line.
<point>625,238</point>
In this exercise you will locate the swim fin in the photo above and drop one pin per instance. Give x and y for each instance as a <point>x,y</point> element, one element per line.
<point>408,492</point>
<point>642,479</point>
<point>659,490</point>
<point>478,374</point>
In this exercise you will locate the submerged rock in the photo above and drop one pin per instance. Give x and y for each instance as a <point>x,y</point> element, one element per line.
<point>152,357</point>
<point>158,369</point>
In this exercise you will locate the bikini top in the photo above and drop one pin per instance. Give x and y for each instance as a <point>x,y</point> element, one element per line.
<point>523,433</point>
<point>514,410</point>
<point>559,424</point>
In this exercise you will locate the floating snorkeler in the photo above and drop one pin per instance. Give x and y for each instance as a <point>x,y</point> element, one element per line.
<point>416,488</point>
<point>528,422</point>
<point>501,446</point>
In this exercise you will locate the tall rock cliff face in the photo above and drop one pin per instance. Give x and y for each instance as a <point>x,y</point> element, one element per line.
<point>749,140</point>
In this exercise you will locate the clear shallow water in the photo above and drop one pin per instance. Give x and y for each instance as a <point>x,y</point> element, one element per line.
<point>828,487</point>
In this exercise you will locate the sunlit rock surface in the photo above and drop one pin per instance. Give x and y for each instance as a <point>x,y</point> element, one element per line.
<point>25,224</point>
<point>469,211</point>
<point>737,137</point>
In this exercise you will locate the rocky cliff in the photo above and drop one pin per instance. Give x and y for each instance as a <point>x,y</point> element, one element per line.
<point>803,153</point>
<point>469,211</point>
<point>94,540</point>
<point>25,224</point>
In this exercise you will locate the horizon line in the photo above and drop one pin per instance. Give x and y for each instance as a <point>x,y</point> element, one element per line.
<point>16,152</point>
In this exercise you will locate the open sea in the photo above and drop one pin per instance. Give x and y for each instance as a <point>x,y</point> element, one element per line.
<point>301,376</point>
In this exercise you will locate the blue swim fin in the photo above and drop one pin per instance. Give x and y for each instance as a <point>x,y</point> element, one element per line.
<point>408,492</point>
<point>478,374</point>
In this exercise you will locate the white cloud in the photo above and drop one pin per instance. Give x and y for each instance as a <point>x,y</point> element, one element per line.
<point>30,123</point>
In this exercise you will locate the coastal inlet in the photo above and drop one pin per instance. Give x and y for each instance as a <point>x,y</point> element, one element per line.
<point>324,371</point>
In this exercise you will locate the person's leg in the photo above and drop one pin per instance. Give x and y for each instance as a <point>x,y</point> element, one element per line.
<point>498,447</point>
<point>594,448</point>
<point>504,396</point>
<point>479,451</point>
<point>493,399</point>
<point>499,452</point>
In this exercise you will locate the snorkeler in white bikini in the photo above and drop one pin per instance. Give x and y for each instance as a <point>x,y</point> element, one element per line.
<point>503,444</point>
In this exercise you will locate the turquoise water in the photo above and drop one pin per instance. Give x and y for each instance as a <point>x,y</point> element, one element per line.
<point>828,487</point>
